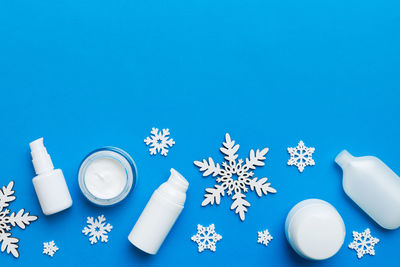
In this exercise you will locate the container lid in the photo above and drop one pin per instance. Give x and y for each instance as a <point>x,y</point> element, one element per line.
<point>316,230</point>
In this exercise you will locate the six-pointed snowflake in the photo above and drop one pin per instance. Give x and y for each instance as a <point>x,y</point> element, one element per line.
<point>206,237</point>
<point>363,243</point>
<point>97,229</point>
<point>226,177</point>
<point>49,248</point>
<point>301,156</point>
<point>264,237</point>
<point>159,141</point>
<point>8,220</point>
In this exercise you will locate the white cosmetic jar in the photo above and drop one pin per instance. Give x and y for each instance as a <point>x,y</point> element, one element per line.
<point>315,229</point>
<point>107,175</point>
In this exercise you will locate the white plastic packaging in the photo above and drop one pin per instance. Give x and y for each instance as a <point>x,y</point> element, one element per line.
<point>50,186</point>
<point>315,229</point>
<point>373,186</point>
<point>160,214</point>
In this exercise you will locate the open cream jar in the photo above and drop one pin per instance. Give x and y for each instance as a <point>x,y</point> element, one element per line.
<point>107,175</point>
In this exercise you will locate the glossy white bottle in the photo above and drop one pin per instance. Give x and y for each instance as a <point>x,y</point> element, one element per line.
<point>160,214</point>
<point>50,186</point>
<point>373,186</point>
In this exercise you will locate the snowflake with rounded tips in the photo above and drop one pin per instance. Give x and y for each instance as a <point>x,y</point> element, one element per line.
<point>159,141</point>
<point>226,181</point>
<point>49,248</point>
<point>97,229</point>
<point>7,220</point>
<point>301,156</point>
<point>363,243</point>
<point>206,237</point>
<point>264,237</point>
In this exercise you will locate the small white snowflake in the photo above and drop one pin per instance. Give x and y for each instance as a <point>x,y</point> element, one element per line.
<point>301,156</point>
<point>226,177</point>
<point>7,220</point>
<point>363,243</point>
<point>49,248</point>
<point>264,237</point>
<point>159,141</point>
<point>97,229</point>
<point>206,237</point>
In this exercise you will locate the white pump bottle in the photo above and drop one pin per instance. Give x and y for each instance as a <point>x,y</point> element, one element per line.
<point>160,214</point>
<point>373,186</point>
<point>50,186</point>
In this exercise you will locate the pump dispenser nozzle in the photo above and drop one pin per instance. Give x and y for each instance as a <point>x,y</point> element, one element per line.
<point>40,158</point>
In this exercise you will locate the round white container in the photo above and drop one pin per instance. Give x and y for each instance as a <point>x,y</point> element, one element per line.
<point>107,175</point>
<point>315,229</point>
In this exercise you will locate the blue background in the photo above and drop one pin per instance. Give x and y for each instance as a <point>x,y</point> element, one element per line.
<point>86,74</point>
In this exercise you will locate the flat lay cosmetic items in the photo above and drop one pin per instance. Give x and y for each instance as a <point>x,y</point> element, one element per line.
<point>313,227</point>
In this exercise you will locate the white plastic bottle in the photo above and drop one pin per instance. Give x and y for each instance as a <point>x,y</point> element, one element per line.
<point>50,186</point>
<point>160,214</point>
<point>373,186</point>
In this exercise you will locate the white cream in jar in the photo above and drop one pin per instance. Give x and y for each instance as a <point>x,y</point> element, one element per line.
<point>107,175</point>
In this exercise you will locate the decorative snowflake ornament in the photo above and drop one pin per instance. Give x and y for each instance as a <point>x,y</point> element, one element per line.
<point>49,248</point>
<point>7,220</point>
<point>226,181</point>
<point>97,229</point>
<point>363,243</point>
<point>264,237</point>
<point>301,156</point>
<point>206,237</point>
<point>159,141</point>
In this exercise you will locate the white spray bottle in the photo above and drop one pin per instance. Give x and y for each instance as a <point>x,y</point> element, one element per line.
<point>50,186</point>
<point>160,214</point>
<point>373,186</point>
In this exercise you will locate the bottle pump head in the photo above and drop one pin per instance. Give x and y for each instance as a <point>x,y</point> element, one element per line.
<point>178,181</point>
<point>40,158</point>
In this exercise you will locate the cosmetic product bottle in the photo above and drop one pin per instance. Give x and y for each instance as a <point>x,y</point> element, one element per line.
<point>160,214</point>
<point>373,186</point>
<point>315,229</point>
<point>50,186</point>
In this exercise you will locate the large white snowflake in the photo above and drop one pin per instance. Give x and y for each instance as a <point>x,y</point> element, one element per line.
<point>226,177</point>
<point>264,237</point>
<point>206,237</point>
<point>301,156</point>
<point>159,141</point>
<point>7,220</point>
<point>97,229</point>
<point>49,248</point>
<point>363,243</point>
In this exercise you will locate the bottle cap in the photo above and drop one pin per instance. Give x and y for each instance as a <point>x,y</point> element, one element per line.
<point>40,158</point>
<point>343,158</point>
